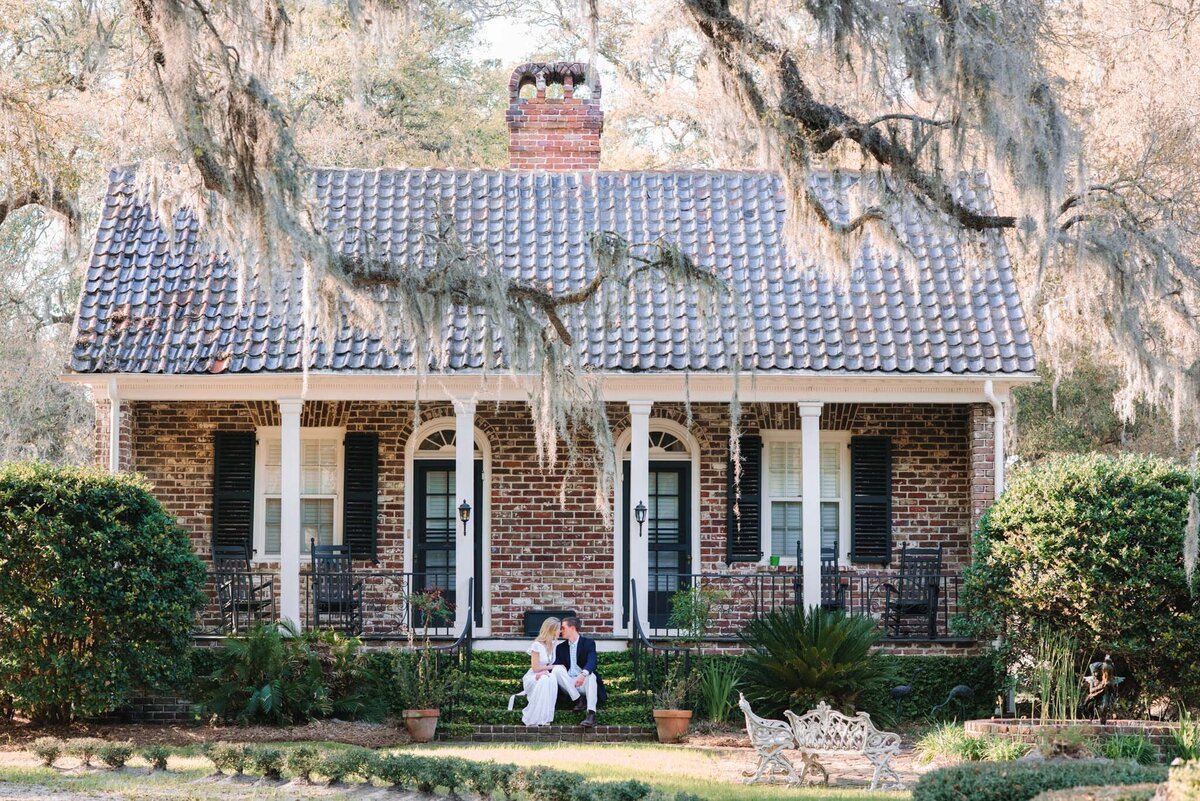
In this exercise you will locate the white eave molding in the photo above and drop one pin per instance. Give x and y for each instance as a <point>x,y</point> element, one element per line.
<point>760,387</point>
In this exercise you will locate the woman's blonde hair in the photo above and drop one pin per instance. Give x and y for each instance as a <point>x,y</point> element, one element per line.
<point>548,632</point>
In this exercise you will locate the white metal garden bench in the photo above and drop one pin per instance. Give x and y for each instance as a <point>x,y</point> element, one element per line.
<point>820,732</point>
<point>770,738</point>
<point>823,731</point>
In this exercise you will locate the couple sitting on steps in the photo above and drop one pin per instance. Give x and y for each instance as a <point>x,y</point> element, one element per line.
<point>567,666</point>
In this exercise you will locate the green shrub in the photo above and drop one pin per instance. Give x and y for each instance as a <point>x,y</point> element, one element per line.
<point>931,679</point>
<point>47,749</point>
<point>156,756</point>
<point>227,758</point>
<point>1184,782</point>
<point>506,777</point>
<point>1002,749</point>
<point>719,678</point>
<point>1091,546</point>
<point>302,761</point>
<point>115,755</point>
<point>275,675</point>
<point>1018,781</point>
<point>426,775</point>
<point>949,741</point>
<point>98,594</point>
<point>1135,747</point>
<point>397,770</point>
<point>628,790</point>
<point>481,778</point>
<point>84,748</point>
<point>549,784</point>
<point>1116,792</point>
<point>337,766</point>
<point>796,658</point>
<point>266,760</point>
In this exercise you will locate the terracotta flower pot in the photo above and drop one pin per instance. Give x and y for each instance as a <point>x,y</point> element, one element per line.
<point>672,724</point>
<point>421,724</point>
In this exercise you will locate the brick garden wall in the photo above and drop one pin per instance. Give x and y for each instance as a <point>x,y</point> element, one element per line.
<point>550,554</point>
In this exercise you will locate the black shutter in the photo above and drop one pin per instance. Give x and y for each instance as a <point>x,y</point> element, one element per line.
<point>743,538</point>
<point>233,489</point>
<point>360,494</point>
<point>871,500</point>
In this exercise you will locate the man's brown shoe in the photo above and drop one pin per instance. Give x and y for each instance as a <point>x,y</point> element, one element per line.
<point>590,720</point>
<point>580,704</point>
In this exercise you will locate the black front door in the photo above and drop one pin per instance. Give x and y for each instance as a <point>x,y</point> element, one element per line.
<point>436,529</point>
<point>669,538</point>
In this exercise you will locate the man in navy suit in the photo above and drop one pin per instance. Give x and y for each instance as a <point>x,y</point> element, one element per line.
<point>580,681</point>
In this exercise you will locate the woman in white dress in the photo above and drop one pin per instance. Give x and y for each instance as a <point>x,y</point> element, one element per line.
<point>541,685</point>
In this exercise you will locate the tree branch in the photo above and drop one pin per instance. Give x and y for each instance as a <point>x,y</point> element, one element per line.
<point>52,199</point>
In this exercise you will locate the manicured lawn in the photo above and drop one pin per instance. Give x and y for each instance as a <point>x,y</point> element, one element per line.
<point>709,773</point>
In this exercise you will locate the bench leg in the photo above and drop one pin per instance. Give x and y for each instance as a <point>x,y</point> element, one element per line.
<point>811,762</point>
<point>770,763</point>
<point>883,767</point>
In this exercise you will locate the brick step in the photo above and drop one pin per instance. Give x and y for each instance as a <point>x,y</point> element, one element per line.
<point>559,734</point>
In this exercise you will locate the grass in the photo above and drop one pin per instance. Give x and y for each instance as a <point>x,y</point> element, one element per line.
<point>708,773</point>
<point>951,741</point>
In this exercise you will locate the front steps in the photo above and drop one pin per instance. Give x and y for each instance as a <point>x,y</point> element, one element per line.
<point>495,675</point>
<point>561,734</point>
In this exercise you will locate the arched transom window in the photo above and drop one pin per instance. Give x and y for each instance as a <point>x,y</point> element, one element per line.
<point>664,444</point>
<point>441,443</point>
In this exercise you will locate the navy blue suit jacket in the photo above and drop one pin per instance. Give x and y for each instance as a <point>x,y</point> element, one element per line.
<point>585,655</point>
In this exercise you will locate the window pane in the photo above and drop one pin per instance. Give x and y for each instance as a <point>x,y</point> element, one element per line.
<point>271,546</point>
<point>783,467</point>
<point>316,522</point>
<point>830,521</point>
<point>786,527</point>
<point>831,454</point>
<point>318,466</point>
<point>271,482</point>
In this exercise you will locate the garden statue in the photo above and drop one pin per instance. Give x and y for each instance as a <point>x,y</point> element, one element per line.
<point>900,693</point>
<point>1102,682</point>
<point>960,693</point>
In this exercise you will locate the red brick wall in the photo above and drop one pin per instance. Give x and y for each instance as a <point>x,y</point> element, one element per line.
<point>545,553</point>
<point>555,134</point>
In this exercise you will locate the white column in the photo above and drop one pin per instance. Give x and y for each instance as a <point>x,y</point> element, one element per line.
<point>464,483</point>
<point>639,492</point>
<point>289,509</point>
<point>810,469</point>
<point>114,428</point>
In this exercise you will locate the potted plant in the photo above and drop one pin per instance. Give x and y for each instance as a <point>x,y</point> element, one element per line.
<point>671,716</point>
<point>691,612</point>
<point>423,680</point>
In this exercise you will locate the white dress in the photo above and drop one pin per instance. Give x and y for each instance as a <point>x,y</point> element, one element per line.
<point>541,690</point>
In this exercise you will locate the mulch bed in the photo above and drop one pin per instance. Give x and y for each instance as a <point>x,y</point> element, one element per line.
<point>14,736</point>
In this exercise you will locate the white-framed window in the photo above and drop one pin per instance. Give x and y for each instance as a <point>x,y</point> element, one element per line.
<point>783,493</point>
<point>321,451</point>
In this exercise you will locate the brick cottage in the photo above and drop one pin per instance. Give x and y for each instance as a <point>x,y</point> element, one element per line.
<point>872,409</point>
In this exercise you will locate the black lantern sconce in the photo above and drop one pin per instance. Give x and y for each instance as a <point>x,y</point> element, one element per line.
<point>464,514</point>
<point>639,514</point>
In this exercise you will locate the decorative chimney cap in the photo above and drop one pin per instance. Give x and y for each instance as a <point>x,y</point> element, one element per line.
<point>569,74</point>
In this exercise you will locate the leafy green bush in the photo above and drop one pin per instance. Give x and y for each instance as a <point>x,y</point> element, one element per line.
<point>628,790</point>
<point>1018,781</point>
<point>47,749</point>
<point>84,748</point>
<point>267,761</point>
<point>275,675</point>
<point>549,784</point>
<point>931,679</point>
<point>1135,747</point>
<point>337,766</point>
<point>303,761</point>
<point>796,658</point>
<point>115,755</point>
<point>227,758</point>
<point>1091,546</point>
<point>98,594</point>
<point>951,741</point>
<point>1115,792</point>
<point>156,756</point>
<point>397,770</point>
<point>719,680</point>
<point>691,611</point>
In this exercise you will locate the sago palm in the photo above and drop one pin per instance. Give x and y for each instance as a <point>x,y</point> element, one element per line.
<point>796,658</point>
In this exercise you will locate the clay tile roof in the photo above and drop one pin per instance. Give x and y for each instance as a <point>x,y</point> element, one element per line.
<point>922,299</point>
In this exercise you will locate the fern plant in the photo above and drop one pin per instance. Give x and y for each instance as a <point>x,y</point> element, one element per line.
<point>796,658</point>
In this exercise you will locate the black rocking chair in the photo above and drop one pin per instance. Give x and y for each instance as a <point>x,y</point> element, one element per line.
<point>833,592</point>
<point>915,592</point>
<point>243,597</point>
<point>337,597</point>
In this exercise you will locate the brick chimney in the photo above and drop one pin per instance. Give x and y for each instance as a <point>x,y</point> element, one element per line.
<point>554,118</point>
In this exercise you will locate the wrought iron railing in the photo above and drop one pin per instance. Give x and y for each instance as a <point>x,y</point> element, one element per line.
<point>237,600</point>
<point>915,608</point>
<point>387,612</point>
<point>650,662</point>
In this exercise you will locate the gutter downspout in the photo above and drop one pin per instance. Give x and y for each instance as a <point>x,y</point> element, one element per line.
<point>114,427</point>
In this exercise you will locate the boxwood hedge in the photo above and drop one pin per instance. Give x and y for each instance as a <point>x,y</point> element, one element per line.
<point>1021,781</point>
